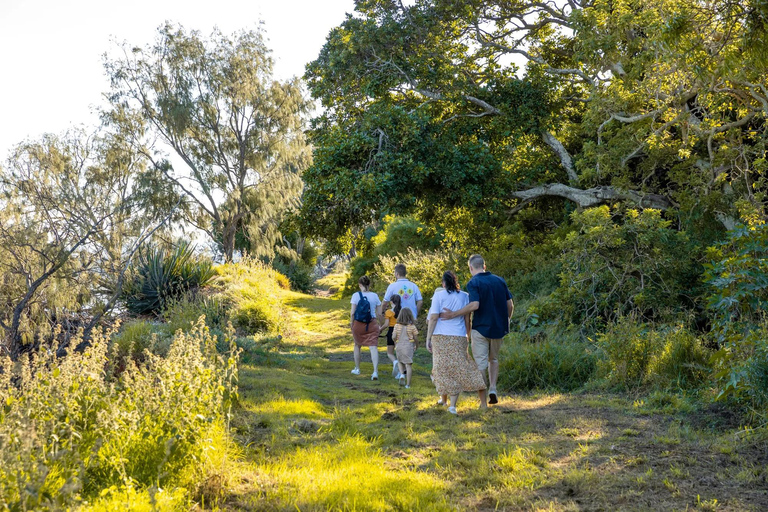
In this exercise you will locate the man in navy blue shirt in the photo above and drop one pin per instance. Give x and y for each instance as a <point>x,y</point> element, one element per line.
<point>491,302</point>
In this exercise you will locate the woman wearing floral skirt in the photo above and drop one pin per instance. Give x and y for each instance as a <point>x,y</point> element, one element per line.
<point>453,369</point>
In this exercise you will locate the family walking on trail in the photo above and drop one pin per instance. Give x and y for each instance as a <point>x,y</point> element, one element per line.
<point>480,315</point>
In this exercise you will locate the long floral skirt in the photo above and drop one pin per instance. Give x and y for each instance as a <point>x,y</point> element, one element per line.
<point>453,368</point>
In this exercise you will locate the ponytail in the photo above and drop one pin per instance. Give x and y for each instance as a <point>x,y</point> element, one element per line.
<point>396,301</point>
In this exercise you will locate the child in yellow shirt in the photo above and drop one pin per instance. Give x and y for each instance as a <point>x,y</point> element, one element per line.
<point>390,319</point>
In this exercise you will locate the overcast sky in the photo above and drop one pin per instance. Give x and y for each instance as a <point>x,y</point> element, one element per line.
<point>51,73</point>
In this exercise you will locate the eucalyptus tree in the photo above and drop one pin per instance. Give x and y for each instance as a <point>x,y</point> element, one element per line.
<point>235,133</point>
<point>658,104</point>
<point>74,212</point>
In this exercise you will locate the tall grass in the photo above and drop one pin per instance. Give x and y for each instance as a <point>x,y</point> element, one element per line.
<point>76,428</point>
<point>552,365</point>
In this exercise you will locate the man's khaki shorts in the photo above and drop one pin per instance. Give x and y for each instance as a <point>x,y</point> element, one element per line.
<point>484,350</point>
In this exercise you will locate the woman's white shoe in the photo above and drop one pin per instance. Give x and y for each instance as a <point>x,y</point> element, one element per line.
<point>452,410</point>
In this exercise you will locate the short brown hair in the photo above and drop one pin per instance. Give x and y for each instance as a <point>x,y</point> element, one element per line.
<point>400,270</point>
<point>365,281</point>
<point>476,261</point>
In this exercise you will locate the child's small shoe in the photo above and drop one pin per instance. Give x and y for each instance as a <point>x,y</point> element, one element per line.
<point>402,379</point>
<point>375,376</point>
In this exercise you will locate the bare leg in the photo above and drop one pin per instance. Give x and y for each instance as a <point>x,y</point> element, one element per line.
<point>391,353</point>
<point>408,372</point>
<point>444,399</point>
<point>375,358</point>
<point>401,368</point>
<point>357,356</point>
<point>483,401</point>
<point>493,373</point>
<point>454,399</point>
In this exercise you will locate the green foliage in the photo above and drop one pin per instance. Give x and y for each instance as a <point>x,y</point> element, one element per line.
<point>400,239</point>
<point>637,355</point>
<point>300,274</point>
<point>738,280</point>
<point>636,265</point>
<point>425,268</point>
<point>161,275</point>
<point>252,293</point>
<point>72,427</point>
<point>562,365</point>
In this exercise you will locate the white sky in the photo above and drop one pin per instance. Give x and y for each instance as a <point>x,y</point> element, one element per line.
<point>51,73</point>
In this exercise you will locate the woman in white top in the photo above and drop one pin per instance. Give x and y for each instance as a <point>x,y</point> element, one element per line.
<point>366,334</point>
<point>453,369</point>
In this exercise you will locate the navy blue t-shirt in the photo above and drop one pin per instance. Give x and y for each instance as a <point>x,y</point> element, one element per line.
<point>491,291</point>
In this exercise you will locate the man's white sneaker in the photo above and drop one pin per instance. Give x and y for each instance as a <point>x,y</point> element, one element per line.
<point>356,371</point>
<point>375,376</point>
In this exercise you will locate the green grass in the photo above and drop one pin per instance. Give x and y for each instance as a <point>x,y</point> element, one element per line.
<point>315,437</point>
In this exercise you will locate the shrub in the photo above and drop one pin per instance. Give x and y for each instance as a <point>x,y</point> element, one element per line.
<point>72,427</point>
<point>548,365</point>
<point>425,268</point>
<point>134,337</point>
<point>184,312</point>
<point>161,275</point>
<point>638,266</point>
<point>300,274</point>
<point>637,355</point>
<point>251,292</point>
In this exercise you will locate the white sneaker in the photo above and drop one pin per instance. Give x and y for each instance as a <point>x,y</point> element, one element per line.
<point>356,371</point>
<point>402,380</point>
<point>395,370</point>
<point>375,376</point>
<point>407,387</point>
<point>452,410</point>
<point>440,401</point>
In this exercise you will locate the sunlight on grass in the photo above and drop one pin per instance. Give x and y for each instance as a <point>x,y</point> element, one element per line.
<point>285,407</point>
<point>350,475</point>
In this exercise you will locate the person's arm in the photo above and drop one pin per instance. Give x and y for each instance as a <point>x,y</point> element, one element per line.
<point>352,316</point>
<point>510,308</point>
<point>418,306</point>
<point>432,322</point>
<point>447,314</point>
<point>415,338</point>
<point>468,325</point>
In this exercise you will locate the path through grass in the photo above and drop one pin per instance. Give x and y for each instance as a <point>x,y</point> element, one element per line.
<point>316,437</point>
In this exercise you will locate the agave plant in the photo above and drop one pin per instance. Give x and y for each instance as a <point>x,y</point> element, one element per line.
<point>160,275</point>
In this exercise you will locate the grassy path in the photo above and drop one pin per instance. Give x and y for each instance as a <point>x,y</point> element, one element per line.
<point>315,437</point>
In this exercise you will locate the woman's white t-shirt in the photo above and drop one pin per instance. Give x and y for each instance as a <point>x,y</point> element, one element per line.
<point>372,298</point>
<point>453,301</point>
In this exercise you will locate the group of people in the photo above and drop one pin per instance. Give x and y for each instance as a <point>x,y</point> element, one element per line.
<point>480,316</point>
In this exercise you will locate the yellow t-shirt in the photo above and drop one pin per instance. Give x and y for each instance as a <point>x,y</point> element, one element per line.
<point>391,316</point>
<point>410,330</point>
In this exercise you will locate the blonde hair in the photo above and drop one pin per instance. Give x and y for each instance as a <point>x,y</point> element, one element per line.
<point>405,317</point>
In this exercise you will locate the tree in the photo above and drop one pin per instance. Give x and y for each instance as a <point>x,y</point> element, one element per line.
<point>74,214</point>
<point>658,104</point>
<point>238,133</point>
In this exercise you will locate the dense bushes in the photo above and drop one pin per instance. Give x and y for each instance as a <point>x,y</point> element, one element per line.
<point>160,275</point>
<point>251,292</point>
<point>738,281</point>
<point>637,355</point>
<point>72,427</point>
<point>553,365</point>
<point>638,265</point>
